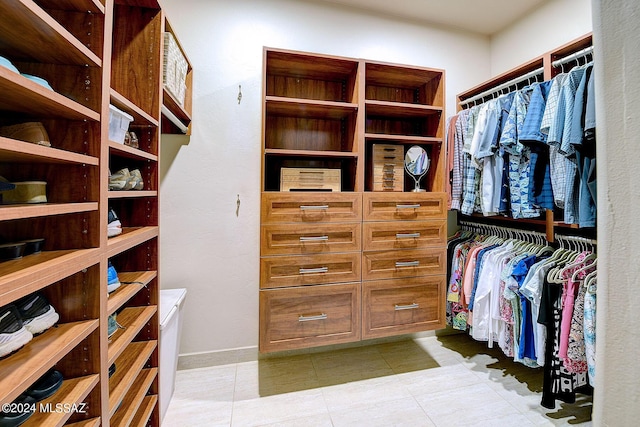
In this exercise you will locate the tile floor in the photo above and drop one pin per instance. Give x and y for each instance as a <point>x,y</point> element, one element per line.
<point>433,381</point>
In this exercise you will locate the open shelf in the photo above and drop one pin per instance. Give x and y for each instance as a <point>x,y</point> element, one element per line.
<point>11,212</point>
<point>93,422</point>
<point>130,152</point>
<point>133,400</point>
<point>23,276</point>
<point>12,150</point>
<point>140,117</point>
<point>71,393</point>
<point>30,23</point>
<point>24,367</point>
<point>23,95</point>
<point>127,291</point>
<point>130,237</point>
<point>133,319</point>
<point>130,194</point>
<point>128,366</point>
<point>144,411</point>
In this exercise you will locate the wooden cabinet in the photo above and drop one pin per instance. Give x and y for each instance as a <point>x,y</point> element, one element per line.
<point>92,54</point>
<point>330,259</point>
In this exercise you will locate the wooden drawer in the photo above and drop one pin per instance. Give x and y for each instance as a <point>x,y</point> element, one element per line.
<point>309,316</point>
<point>308,207</point>
<point>290,239</point>
<point>396,264</point>
<point>379,236</point>
<point>404,206</point>
<point>309,179</point>
<point>297,270</point>
<point>392,307</point>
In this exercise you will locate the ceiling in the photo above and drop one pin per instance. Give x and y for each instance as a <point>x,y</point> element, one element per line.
<point>480,16</point>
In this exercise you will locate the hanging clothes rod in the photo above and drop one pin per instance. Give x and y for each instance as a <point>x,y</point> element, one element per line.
<point>573,57</point>
<point>498,228</point>
<point>505,85</point>
<point>577,239</point>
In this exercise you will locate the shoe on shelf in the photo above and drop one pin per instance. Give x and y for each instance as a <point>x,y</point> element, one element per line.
<point>36,313</point>
<point>30,132</point>
<point>13,334</point>
<point>114,227</point>
<point>46,385</point>
<point>113,282</point>
<point>138,182</point>
<point>24,406</point>
<point>112,369</point>
<point>7,64</point>
<point>121,180</point>
<point>113,325</point>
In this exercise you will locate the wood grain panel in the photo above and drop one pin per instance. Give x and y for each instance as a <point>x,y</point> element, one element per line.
<point>286,316</point>
<point>392,307</point>
<point>403,234</point>
<point>304,239</point>
<point>396,264</point>
<point>311,208</point>
<point>404,206</point>
<point>299,270</point>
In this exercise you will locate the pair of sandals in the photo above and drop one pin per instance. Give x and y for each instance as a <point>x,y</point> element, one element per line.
<point>125,180</point>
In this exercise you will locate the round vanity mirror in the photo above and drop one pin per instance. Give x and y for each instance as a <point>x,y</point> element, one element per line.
<point>416,163</point>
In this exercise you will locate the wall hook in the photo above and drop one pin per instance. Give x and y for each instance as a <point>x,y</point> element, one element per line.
<point>238,206</point>
<point>239,94</point>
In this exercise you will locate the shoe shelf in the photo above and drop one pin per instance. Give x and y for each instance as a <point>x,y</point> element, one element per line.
<point>11,212</point>
<point>93,422</point>
<point>22,95</point>
<point>12,150</point>
<point>125,151</point>
<point>133,400</point>
<point>144,412</point>
<point>135,281</point>
<point>130,237</point>
<point>132,194</point>
<point>30,22</point>
<point>21,369</point>
<point>91,6</point>
<point>128,366</point>
<point>71,392</point>
<point>31,273</point>
<point>133,319</point>
<point>140,117</point>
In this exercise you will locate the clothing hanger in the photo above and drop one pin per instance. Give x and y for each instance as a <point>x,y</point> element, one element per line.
<point>586,267</point>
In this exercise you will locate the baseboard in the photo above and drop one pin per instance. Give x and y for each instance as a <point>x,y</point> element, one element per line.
<point>251,354</point>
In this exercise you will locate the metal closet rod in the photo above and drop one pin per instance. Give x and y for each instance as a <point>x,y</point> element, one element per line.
<point>497,89</point>
<point>573,57</point>
<point>513,231</point>
<point>577,239</point>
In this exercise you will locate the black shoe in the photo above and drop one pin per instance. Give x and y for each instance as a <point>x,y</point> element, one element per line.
<point>112,369</point>
<point>13,334</point>
<point>48,384</point>
<point>27,406</point>
<point>36,313</point>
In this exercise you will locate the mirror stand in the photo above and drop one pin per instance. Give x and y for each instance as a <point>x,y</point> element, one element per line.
<point>416,163</point>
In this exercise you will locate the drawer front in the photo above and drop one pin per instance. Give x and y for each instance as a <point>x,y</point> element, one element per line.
<point>309,179</point>
<point>308,316</point>
<point>404,206</point>
<point>390,153</point>
<point>298,270</point>
<point>392,307</point>
<point>300,239</point>
<point>397,264</point>
<point>378,236</point>
<point>307,207</point>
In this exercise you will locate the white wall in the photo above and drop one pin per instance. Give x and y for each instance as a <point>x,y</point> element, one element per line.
<point>546,28</point>
<point>205,247</point>
<point>616,40</point>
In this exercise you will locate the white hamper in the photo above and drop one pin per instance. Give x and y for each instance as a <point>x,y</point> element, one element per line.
<point>171,317</point>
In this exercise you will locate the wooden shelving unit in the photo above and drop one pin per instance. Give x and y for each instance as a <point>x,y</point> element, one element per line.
<point>333,264</point>
<point>548,222</point>
<point>119,62</point>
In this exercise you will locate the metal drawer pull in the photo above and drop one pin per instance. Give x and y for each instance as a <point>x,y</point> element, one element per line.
<point>303,318</point>
<point>314,239</point>
<point>314,270</point>
<point>407,263</point>
<point>416,206</point>
<point>313,207</point>
<point>407,306</point>
<point>407,235</point>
